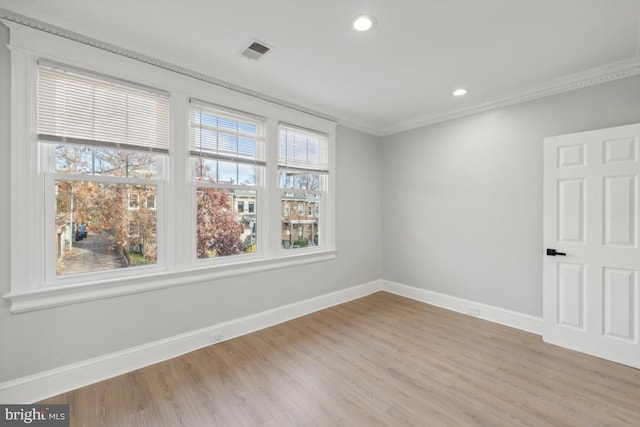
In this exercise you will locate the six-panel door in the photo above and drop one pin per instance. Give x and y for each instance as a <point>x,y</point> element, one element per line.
<point>591,213</point>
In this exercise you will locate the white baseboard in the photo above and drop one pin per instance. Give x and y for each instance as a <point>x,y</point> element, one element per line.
<point>42,385</point>
<point>494,314</point>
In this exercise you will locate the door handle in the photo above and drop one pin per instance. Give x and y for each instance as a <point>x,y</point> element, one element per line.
<point>553,252</point>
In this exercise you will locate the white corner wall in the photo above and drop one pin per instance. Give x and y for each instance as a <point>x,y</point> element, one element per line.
<point>462,200</point>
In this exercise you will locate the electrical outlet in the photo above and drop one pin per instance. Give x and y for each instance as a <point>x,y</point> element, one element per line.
<point>215,336</point>
<point>473,311</point>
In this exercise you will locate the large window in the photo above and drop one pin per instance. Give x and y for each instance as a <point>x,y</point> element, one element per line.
<point>303,170</point>
<point>128,177</point>
<point>228,162</point>
<point>104,144</point>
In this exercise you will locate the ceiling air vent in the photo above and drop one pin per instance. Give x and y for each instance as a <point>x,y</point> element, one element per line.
<point>255,50</point>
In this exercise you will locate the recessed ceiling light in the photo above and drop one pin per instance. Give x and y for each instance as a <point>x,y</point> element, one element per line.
<point>364,23</point>
<point>459,92</point>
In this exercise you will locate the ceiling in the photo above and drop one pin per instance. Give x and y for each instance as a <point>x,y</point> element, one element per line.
<point>397,76</point>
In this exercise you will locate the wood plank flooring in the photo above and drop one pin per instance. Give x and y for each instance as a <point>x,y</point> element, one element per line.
<point>380,360</point>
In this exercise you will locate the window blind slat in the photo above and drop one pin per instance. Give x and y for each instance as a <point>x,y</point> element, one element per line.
<point>234,159</point>
<point>302,150</point>
<point>97,143</point>
<point>303,171</point>
<point>83,108</point>
<point>218,134</point>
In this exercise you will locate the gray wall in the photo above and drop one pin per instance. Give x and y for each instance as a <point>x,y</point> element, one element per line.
<point>462,200</point>
<point>36,341</point>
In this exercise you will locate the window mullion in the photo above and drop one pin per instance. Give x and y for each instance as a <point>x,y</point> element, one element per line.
<point>272,191</point>
<point>180,202</point>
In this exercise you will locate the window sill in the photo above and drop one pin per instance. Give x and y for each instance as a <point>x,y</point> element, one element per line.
<point>70,294</point>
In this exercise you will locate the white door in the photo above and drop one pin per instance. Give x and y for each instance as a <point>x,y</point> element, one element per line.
<point>591,192</point>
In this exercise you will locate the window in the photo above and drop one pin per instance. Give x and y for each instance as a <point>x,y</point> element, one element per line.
<point>134,229</point>
<point>151,201</point>
<point>98,215</point>
<point>303,167</point>
<point>134,201</point>
<point>228,160</point>
<point>103,143</point>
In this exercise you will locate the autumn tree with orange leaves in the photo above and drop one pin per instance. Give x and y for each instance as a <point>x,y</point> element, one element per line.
<point>109,207</point>
<point>219,231</point>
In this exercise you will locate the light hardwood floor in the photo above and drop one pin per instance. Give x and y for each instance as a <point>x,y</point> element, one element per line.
<point>379,360</point>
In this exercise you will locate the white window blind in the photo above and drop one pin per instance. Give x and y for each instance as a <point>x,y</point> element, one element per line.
<point>302,150</point>
<point>79,108</point>
<point>226,135</point>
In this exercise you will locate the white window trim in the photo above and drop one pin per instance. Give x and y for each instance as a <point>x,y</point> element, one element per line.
<point>258,188</point>
<point>155,201</point>
<point>131,199</point>
<point>325,208</point>
<point>28,285</point>
<point>90,291</point>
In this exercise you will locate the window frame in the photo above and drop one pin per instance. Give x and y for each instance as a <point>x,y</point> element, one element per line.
<point>324,168</point>
<point>51,279</point>
<point>151,206</point>
<point>30,289</point>
<point>136,202</point>
<point>60,78</point>
<point>258,186</point>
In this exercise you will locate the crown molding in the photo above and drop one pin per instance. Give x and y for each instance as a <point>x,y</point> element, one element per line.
<point>593,77</point>
<point>11,17</point>
<point>360,127</point>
